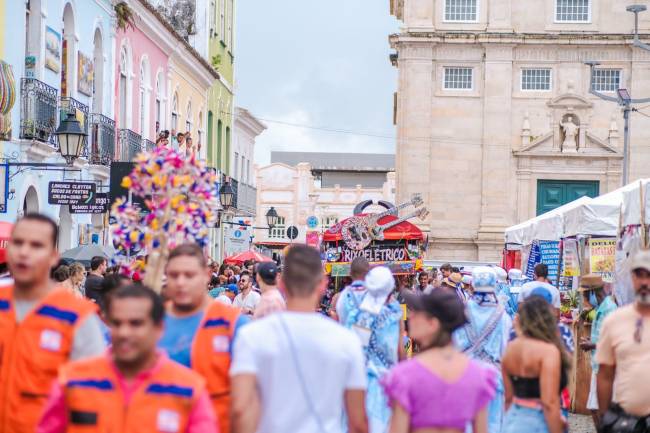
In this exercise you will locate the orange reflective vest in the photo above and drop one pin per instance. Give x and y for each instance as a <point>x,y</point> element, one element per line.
<point>31,353</point>
<point>94,401</point>
<point>211,357</point>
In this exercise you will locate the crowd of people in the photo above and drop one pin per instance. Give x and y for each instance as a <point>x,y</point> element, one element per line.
<point>253,348</point>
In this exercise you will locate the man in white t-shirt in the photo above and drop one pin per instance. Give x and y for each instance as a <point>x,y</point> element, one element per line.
<point>541,280</point>
<point>295,371</point>
<point>247,299</point>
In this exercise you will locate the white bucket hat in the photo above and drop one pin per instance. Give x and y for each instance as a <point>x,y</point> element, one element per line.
<point>484,279</point>
<point>379,284</point>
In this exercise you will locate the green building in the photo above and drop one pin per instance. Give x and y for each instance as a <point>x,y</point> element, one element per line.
<point>220,99</point>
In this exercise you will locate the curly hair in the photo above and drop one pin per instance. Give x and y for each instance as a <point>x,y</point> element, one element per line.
<point>538,321</point>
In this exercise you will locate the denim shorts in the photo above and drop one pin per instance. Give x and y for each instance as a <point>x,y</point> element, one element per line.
<point>521,419</point>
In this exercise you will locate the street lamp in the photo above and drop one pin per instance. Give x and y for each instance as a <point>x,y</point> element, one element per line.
<point>272,218</point>
<point>71,138</point>
<point>623,99</point>
<point>226,195</point>
<point>636,9</point>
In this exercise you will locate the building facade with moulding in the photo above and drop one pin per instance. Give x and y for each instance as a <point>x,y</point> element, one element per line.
<point>246,130</point>
<point>57,58</point>
<point>495,122</point>
<point>299,191</point>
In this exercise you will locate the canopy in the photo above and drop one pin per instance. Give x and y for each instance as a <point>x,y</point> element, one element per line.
<point>85,253</point>
<point>599,217</point>
<point>5,235</point>
<point>246,256</point>
<point>632,203</point>
<point>402,231</point>
<point>545,227</point>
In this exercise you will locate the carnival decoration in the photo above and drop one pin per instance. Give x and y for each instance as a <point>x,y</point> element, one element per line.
<point>7,99</point>
<point>181,198</point>
<point>360,230</point>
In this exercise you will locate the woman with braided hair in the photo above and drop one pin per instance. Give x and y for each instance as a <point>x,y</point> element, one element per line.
<point>535,370</point>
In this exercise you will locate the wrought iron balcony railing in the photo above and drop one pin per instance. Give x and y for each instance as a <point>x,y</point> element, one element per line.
<point>38,116</point>
<point>246,198</point>
<point>130,144</point>
<point>101,139</point>
<point>148,145</point>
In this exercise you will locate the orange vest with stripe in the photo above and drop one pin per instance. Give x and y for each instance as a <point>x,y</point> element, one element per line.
<point>31,353</point>
<point>211,357</point>
<point>94,401</point>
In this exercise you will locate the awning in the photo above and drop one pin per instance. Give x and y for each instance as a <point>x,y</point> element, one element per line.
<point>246,256</point>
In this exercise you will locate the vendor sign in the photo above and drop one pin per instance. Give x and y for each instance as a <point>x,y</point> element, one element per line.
<point>376,254</point>
<point>570,258</point>
<point>550,256</point>
<point>602,258</point>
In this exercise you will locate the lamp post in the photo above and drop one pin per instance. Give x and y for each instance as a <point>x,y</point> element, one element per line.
<point>71,138</point>
<point>226,196</point>
<point>272,218</point>
<point>625,101</point>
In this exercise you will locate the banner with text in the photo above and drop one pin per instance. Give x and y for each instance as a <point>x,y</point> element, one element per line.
<point>570,258</point>
<point>602,257</point>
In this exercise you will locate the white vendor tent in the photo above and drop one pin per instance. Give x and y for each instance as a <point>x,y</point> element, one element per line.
<point>632,203</point>
<point>547,227</point>
<point>598,217</point>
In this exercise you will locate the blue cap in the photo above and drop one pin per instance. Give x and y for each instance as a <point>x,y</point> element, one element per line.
<point>232,288</point>
<point>542,293</point>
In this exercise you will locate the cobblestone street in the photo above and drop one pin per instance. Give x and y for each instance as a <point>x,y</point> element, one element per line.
<point>581,424</point>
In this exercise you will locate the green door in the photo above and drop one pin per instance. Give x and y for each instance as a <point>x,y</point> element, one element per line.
<point>554,193</point>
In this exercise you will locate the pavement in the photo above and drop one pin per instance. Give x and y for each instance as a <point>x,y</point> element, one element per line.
<point>581,424</point>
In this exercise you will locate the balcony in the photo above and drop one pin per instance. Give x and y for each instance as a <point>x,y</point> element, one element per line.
<point>130,145</point>
<point>246,198</point>
<point>101,139</point>
<point>148,145</point>
<point>38,116</point>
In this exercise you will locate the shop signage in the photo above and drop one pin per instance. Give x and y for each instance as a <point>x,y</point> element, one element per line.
<point>550,255</point>
<point>66,193</point>
<point>570,258</point>
<point>376,254</point>
<point>602,258</point>
<point>98,204</point>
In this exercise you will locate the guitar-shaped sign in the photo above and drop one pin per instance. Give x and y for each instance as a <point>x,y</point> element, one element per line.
<point>378,232</point>
<point>357,232</point>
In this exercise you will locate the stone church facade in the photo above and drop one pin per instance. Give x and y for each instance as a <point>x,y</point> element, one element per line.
<point>495,121</point>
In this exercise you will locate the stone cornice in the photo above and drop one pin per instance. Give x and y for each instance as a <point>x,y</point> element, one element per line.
<point>513,38</point>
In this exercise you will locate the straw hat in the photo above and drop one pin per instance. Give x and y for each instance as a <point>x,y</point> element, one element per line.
<point>591,282</point>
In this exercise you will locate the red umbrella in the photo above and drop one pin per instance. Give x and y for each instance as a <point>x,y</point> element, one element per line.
<point>5,235</point>
<point>246,256</point>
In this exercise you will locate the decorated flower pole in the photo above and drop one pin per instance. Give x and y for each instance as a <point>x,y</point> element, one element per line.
<point>181,199</point>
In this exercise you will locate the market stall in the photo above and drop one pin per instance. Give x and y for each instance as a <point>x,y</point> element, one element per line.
<point>632,236</point>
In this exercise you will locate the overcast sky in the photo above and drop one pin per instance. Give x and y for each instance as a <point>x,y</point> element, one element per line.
<point>321,63</point>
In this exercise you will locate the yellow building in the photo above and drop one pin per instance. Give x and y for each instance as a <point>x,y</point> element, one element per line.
<point>190,79</point>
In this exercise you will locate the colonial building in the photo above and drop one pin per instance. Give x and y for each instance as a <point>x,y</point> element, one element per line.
<point>495,121</point>
<point>57,58</point>
<point>327,186</point>
<point>247,128</point>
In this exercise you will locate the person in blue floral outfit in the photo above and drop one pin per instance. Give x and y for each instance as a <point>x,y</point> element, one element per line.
<point>376,317</point>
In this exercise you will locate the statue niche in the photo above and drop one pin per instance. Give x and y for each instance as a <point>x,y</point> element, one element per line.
<point>569,133</point>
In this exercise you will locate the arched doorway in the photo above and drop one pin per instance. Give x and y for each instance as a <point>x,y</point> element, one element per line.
<point>30,205</point>
<point>65,229</point>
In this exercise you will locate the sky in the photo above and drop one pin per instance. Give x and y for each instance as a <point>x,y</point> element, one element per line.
<point>319,63</point>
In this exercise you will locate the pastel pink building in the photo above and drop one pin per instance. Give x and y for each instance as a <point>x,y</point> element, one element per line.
<point>141,75</point>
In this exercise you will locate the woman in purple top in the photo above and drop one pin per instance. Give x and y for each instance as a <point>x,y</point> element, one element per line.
<point>440,390</point>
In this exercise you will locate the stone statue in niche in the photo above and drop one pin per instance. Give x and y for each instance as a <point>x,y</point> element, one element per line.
<point>570,129</point>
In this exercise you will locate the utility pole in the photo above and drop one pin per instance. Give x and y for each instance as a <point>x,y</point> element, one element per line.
<point>623,99</point>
